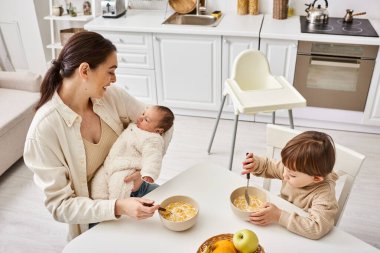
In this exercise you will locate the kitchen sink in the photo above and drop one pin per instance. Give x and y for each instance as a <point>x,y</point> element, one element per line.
<point>192,19</point>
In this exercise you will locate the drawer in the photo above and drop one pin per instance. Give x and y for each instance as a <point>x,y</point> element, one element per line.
<point>140,83</point>
<point>135,50</point>
<point>130,41</point>
<point>135,60</point>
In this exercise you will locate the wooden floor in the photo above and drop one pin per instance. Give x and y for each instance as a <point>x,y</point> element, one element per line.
<point>26,226</point>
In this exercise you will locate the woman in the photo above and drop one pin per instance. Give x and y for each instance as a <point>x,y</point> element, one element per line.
<point>78,118</point>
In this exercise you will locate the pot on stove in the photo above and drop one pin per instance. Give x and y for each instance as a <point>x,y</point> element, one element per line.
<point>317,15</point>
<point>349,17</point>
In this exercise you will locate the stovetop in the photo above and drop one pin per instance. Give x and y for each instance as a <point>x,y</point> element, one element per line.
<point>358,27</point>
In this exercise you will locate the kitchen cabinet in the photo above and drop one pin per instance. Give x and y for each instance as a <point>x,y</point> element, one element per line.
<point>281,56</point>
<point>372,109</point>
<point>231,47</point>
<point>188,70</point>
<point>135,72</point>
<point>66,21</point>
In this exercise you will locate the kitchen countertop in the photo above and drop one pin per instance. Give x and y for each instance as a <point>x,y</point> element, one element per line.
<point>290,29</point>
<point>151,21</point>
<point>230,25</point>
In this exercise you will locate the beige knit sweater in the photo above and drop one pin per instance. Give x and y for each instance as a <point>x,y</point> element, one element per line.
<point>318,200</point>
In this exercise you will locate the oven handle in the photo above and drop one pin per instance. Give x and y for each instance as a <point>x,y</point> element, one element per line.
<point>335,62</point>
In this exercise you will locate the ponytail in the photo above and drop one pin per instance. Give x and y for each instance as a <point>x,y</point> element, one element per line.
<point>51,82</point>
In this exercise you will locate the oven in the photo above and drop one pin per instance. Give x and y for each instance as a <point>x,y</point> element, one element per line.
<point>334,75</point>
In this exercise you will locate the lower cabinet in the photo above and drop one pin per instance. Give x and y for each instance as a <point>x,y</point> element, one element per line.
<point>281,55</point>
<point>140,83</point>
<point>372,109</point>
<point>180,71</point>
<point>188,71</point>
<point>231,47</point>
<point>135,72</point>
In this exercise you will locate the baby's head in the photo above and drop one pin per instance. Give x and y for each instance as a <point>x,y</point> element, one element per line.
<point>311,153</point>
<point>156,119</point>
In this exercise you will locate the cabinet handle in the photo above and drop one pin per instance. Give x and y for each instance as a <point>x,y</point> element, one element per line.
<point>226,41</point>
<point>156,38</point>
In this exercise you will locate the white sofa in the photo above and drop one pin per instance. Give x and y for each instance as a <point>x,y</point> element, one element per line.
<point>19,93</point>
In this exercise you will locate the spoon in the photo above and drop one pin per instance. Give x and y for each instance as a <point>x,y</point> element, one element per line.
<point>160,208</point>
<point>246,195</point>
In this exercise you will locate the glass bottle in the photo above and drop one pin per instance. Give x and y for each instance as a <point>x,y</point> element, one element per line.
<point>291,9</point>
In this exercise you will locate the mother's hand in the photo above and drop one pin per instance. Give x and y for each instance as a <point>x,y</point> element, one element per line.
<point>134,208</point>
<point>135,177</point>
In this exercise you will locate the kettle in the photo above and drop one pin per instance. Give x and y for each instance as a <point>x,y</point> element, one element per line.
<point>317,15</point>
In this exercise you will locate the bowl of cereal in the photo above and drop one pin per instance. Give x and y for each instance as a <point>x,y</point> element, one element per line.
<point>181,213</point>
<point>239,205</point>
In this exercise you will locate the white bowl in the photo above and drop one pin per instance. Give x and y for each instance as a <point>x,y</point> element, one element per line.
<point>260,194</point>
<point>179,225</point>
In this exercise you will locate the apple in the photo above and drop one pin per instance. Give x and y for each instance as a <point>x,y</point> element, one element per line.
<point>245,241</point>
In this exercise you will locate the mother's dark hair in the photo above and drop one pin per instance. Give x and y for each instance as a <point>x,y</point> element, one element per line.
<point>85,46</point>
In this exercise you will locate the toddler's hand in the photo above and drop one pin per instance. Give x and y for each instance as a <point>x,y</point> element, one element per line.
<point>270,213</point>
<point>148,179</point>
<point>248,164</point>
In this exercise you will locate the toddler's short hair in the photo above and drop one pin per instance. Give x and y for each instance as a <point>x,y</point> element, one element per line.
<point>310,152</point>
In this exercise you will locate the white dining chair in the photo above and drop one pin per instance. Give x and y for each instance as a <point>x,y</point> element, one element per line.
<point>253,89</point>
<point>347,162</point>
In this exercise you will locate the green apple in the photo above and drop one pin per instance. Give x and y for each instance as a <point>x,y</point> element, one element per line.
<point>245,241</point>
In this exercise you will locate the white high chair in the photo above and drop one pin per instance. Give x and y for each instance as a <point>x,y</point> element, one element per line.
<point>347,162</point>
<point>253,89</point>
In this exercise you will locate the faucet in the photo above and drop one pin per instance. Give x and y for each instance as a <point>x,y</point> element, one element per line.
<point>201,9</point>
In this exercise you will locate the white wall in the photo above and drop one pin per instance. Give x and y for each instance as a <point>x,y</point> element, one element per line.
<point>42,10</point>
<point>31,50</point>
<point>337,8</point>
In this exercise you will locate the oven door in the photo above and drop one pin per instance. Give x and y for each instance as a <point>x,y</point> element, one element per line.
<point>333,82</point>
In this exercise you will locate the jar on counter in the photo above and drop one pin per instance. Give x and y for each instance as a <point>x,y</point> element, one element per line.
<point>280,9</point>
<point>291,8</point>
<point>242,7</point>
<point>253,7</point>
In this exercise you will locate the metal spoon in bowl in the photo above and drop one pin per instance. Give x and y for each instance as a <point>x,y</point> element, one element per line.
<point>160,208</point>
<point>246,195</point>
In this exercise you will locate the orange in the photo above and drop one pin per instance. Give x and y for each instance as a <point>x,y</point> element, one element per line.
<point>224,246</point>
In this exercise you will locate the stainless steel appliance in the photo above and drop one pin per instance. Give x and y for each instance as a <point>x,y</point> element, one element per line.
<point>358,27</point>
<point>113,8</point>
<point>349,17</point>
<point>334,75</point>
<point>317,15</point>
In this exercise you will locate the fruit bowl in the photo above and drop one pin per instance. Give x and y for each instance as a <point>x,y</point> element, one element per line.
<point>210,241</point>
<point>239,206</point>
<point>182,213</point>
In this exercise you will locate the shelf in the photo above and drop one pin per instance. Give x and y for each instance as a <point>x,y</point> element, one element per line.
<point>80,17</point>
<point>55,46</point>
<point>58,23</point>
